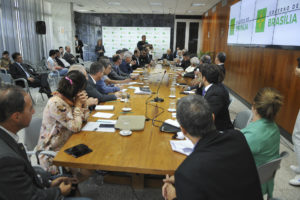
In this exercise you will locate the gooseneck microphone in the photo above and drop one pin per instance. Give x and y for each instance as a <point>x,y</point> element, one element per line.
<point>157,99</point>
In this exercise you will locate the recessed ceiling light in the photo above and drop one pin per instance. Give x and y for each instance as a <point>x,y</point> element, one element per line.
<point>114,3</point>
<point>80,5</point>
<point>155,4</point>
<point>198,4</point>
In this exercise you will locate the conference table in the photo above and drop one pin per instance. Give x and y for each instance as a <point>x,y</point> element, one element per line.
<point>144,152</point>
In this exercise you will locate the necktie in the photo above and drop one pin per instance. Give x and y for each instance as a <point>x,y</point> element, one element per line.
<point>27,74</point>
<point>203,92</point>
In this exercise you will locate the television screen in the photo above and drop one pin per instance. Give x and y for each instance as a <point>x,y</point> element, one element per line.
<point>261,32</point>
<point>245,24</point>
<point>234,18</point>
<point>286,23</point>
<point>265,22</point>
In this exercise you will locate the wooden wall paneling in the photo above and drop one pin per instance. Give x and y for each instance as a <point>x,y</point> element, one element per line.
<point>250,68</point>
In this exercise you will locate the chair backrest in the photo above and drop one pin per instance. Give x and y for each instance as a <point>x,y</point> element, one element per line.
<point>267,171</point>
<point>6,78</point>
<point>242,119</point>
<point>32,133</point>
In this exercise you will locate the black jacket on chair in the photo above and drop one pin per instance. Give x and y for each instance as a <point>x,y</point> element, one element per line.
<point>220,167</point>
<point>18,178</point>
<point>218,98</point>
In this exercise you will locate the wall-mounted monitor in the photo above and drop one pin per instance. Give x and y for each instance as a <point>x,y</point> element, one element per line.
<point>264,22</point>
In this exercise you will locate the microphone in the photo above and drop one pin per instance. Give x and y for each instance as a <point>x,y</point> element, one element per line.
<point>157,99</point>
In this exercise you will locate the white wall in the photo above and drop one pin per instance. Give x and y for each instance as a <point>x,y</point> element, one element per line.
<point>63,25</point>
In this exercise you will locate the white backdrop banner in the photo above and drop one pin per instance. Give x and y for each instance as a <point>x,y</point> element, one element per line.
<point>115,38</point>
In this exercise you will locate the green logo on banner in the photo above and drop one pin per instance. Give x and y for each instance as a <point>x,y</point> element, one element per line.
<point>129,40</point>
<point>163,48</point>
<point>137,36</point>
<point>121,44</point>
<point>146,32</point>
<point>104,28</point>
<point>120,36</point>
<point>154,44</point>
<point>154,36</point>
<point>163,41</point>
<point>112,40</point>
<point>164,33</point>
<point>138,29</point>
<point>112,32</point>
<point>113,48</point>
<point>232,24</point>
<point>120,28</point>
<point>129,33</point>
<point>261,19</point>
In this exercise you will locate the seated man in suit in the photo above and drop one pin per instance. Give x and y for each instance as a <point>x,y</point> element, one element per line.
<point>96,73</point>
<point>20,70</point>
<point>70,58</point>
<point>220,166</point>
<point>18,178</point>
<point>127,63</point>
<point>185,63</point>
<point>168,55</point>
<point>136,58</point>
<point>60,61</point>
<point>144,58</point>
<point>216,95</point>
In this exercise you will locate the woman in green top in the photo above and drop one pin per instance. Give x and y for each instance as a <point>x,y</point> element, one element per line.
<point>262,134</point>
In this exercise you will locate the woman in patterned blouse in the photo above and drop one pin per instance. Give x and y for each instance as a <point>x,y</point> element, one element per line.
<point>63,116</point>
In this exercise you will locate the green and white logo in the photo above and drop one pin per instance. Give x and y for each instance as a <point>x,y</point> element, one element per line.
<point>261,19</point>
<point>232,24</point>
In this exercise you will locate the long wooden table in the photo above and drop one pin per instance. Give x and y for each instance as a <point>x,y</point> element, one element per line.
<point>144,152</point>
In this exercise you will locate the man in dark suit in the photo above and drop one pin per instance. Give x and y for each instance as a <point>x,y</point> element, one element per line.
<point>168,55</point>
<point>136,59</point>
<point>142,44</point>
<point>18,178</point>
<point>20,70</point>
<point>70,58</point>
<point>144,58</point>
<point>78,46</point>
<point>185,63</point>
<point>96,73</point>
<point>127,63</point>
<point>220,166</point>
<point>220,60</point>
<point>216,95</point>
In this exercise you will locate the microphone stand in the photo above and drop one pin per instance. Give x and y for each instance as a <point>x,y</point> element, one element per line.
<point>157,99</point>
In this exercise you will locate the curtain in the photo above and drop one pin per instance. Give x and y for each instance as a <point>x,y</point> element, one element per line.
<point>17,28</point>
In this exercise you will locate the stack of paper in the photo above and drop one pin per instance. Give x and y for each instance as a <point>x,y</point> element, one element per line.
<point>189,92</point>
<point>103,115</point>
<point>104,107</point>
<point>137,90</point>
<point>173,122</point>
<point>185,147</point>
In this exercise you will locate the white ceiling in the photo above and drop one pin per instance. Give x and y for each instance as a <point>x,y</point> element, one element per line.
<point>177,7</point>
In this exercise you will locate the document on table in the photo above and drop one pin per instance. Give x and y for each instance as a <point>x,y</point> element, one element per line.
<point>189,92</point>
<point>173,122</point>
<point>104,107</point>
<point>138,90</point>
<point>185,147</point>
<point>95,126</point>
<point>103,115</point>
